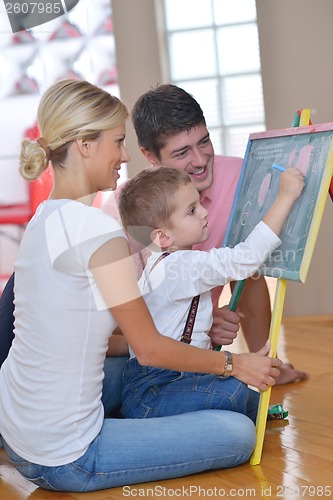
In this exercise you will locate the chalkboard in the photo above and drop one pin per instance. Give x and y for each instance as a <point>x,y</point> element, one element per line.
<point>307,148</point>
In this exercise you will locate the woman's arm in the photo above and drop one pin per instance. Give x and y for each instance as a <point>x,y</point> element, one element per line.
<point>113,270</point>
<point>153,349</point>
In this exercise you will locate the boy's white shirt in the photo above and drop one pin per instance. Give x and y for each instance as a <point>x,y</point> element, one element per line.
<point>168,289</point>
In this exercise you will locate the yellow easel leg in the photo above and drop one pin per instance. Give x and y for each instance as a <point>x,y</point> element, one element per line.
<point>265,395</point>
<point>305,117</point>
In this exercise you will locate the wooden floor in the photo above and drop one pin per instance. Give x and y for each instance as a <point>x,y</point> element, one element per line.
<point>297,460</point>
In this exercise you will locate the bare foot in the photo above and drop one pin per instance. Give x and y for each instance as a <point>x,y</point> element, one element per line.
<point>288,375</point>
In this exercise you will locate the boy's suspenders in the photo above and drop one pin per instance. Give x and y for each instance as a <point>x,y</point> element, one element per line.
<point>187,333</point>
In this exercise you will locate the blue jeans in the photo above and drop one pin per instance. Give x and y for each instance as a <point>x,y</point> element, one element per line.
<point>128,451</point>
<point>154,392</point>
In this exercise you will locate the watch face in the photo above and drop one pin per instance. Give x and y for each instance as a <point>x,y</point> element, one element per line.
<point>228,365</point>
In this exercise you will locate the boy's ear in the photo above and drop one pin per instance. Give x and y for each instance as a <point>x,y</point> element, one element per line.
<point>155,162</point>
<point>161,238</point>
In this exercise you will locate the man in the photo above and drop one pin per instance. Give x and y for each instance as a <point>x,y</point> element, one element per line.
<point>172,132</point>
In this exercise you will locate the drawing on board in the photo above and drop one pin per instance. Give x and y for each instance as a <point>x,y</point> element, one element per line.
<point>308,148</point>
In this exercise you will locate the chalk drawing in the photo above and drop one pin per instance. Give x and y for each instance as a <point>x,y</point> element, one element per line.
<point>259,186</point>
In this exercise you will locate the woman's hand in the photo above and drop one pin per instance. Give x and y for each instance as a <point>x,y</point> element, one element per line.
<point>256,369</point>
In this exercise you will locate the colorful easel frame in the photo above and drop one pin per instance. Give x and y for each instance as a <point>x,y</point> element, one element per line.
<point>304,120</point>
<point>301,119</point>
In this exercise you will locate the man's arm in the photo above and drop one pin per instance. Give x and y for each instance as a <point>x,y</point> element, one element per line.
<point>255,305</point>
<point>118,345</point>
<point>253,315</point>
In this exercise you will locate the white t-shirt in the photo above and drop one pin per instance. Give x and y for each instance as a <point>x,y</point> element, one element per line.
<point>169,287</point>
<point>51,382</point>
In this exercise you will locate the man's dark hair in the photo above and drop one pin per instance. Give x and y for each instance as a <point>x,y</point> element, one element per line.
<point>162,112</point>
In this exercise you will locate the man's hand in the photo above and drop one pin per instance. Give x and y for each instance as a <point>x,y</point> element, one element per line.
<point>225,326</point>
<point>117,344</point>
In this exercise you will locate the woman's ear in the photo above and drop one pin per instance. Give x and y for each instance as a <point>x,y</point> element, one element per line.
<point>84,147</point>
<point>161,238</point>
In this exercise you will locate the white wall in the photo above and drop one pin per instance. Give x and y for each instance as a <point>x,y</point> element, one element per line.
<point>296,40</point>
<point>139,63</point>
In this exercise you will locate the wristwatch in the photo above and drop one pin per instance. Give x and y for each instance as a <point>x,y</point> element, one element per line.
<point>228,365</point>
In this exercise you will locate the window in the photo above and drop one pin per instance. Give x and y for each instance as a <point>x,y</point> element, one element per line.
<point>213,49</point>
<point>79,44</point>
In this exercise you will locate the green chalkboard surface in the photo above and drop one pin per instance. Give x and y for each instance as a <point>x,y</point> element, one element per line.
<point>307,148</point>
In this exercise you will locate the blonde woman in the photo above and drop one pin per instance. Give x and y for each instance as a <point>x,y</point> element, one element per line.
<point>74,284</point>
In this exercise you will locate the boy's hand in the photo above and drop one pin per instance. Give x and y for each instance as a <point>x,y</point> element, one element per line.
<point>291,184</point>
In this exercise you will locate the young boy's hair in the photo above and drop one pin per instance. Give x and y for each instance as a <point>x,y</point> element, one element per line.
<point>146,201</point>
<point>163,112</point>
